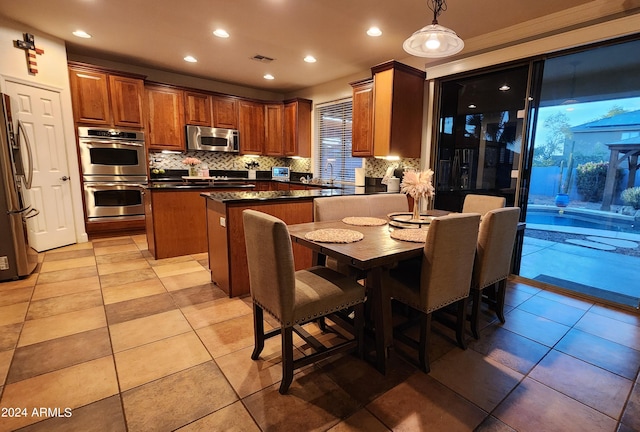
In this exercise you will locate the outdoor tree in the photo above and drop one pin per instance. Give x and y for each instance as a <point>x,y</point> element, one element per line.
<point>558,130</point>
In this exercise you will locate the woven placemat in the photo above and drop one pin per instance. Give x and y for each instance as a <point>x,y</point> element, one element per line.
<point>364,221</point>
<point>334,235</point>
<point>412,235</point>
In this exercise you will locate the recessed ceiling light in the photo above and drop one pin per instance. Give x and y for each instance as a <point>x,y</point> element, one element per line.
<point>472,106</point>
<point>221,33</point>
<point>310,59</point>
<point>82,34</point>
<point>190,59</point>
<point>374,31</point>
<point>504,88</point>
<point>269,77</point>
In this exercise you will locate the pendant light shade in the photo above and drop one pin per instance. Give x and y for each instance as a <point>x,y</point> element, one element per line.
<point>434,40</point>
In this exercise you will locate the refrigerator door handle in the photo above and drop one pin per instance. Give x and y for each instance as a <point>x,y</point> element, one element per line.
<point>29,177</point>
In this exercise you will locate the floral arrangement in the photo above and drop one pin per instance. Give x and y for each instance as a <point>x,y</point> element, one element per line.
<point>191,161</point>
<point>418,184</point>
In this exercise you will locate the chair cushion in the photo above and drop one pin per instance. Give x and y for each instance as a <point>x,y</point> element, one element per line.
<point>320,290</point>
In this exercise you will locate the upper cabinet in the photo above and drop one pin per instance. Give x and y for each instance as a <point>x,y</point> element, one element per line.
<point>362,118</point>
<point>273,129</point>
<point>387,112</point>
<point>225,112</point>
<point>102,98</point>
<point>165,117</point>
<point>197,108</point>
<point>251,127</point>
<point>297,128</point>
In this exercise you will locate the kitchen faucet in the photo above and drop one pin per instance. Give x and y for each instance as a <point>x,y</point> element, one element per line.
<point>330,168</point>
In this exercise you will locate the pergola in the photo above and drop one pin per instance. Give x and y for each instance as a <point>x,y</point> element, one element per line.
<point>627,149</point>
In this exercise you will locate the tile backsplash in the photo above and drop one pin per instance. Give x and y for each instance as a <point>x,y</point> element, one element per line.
<point>225,161</point>
<point>378,167</point>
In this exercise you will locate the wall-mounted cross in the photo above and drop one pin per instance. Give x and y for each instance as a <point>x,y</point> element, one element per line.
<point>29,45</point>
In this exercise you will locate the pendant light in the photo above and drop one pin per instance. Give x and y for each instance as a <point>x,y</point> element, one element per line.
<point>434,40</point>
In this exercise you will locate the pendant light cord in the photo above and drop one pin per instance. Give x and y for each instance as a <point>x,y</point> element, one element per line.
<point>437,6</point>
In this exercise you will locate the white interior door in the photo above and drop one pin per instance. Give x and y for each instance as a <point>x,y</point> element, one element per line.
<point>40,112</point>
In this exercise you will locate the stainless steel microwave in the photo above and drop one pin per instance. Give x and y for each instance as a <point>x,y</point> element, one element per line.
<point>212,139</point>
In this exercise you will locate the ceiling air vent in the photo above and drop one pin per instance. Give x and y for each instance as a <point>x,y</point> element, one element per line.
<point>261,58</point>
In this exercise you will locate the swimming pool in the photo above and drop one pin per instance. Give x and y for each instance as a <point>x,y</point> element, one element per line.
<point>581,218</point>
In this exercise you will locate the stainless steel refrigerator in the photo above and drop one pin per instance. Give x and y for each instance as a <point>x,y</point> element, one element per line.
<point>17,258</point>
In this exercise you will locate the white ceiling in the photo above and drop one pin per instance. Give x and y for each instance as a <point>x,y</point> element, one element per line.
<point>160,33</point>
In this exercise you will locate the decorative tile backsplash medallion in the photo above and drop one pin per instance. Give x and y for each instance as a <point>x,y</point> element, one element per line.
<point>378,167</point>
<point>225,161</point>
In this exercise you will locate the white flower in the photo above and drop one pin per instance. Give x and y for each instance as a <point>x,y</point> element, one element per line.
<point>418,184</point>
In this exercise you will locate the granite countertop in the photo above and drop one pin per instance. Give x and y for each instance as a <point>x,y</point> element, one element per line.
<point>242,197</point>
<point>187,186</point>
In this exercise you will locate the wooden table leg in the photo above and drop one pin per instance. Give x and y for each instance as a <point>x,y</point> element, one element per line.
<point>381,315</point>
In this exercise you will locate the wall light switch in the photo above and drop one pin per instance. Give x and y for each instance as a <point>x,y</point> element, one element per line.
<point>223,222</point>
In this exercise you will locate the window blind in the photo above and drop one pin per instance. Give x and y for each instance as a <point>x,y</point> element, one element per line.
<point>334,159</point>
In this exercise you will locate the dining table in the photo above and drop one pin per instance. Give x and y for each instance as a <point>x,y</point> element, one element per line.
<point>373,255</point>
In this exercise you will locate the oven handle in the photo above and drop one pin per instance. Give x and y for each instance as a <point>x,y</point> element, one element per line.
<point>125,143</point>
<point>96,184</point>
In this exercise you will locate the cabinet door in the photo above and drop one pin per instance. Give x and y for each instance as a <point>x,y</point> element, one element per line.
<point>273,129</point>
<point>225,112</point>
<point>90,97</point>
<point>197,109</point>
<point>165,128</point>
<point>362,126</point>
<point>126,101</point>
<point>297,128</point>
<point>251,127</point>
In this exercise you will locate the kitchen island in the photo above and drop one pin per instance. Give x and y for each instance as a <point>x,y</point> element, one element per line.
<point>226,243</point>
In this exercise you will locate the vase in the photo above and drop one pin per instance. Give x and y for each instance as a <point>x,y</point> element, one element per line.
<point>416,208</point>
<point>562,200</point>
<point>193,171</point>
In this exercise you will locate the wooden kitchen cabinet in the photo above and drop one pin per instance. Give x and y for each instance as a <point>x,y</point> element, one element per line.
<point>225,112</point>
<point>362,119</point>
<point>101,98</point>
<point>251,127</point>
<point>398,93</point>
<point>274,114</point>
<point>197,108</point>
<point>165,118</point>
<point>297,128</point>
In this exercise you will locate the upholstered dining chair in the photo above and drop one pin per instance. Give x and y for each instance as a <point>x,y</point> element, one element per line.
<point>482,203</point>
<point>294,297</point>
<point>441,278</point>
<point>493,260</point>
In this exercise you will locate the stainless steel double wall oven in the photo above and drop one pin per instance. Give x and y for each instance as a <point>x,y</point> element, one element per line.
<point>114,172</point>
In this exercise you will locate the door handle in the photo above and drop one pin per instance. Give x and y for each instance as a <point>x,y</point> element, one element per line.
<point>65,178</point>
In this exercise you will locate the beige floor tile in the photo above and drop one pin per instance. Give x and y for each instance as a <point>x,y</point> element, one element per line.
<point>67,275</point>
<point>115,249</point>
<point>197,294</point>
<point>228,336</point>
<point>29,281</point>
<point>72,387</point>
<point>200,256</point>
<point>16,295</point>
<point>9,336</point>
<point>533,407</point>
<point>314,402</point>
<point>232,418</point>
<point>73,247</point>
<point>167,261</point>
<point>65,255</point>
<point>56,326</point>
<point>178,399</point>
<point>187,280</point>
<point>112,241</point>
<point>479,379</point>
<point>146,363</point>
<point>67,264</point>
<point>133,290</point>
<point>611,329</point>
<point>122,266</point>
<point>55,289</point>
<point>63,304</point>
<point>13,313</point>
<point>215,311</point>
<point>139,308</point>
<point>362,420</point>
<point>5,362</point>
<point>137,332</point>
<point>118,258</point>
<point>103,415</point>
<point>177,268</point>
<point>125,277</point>
<point>422,403</point>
